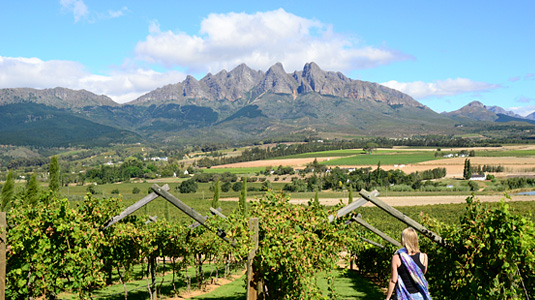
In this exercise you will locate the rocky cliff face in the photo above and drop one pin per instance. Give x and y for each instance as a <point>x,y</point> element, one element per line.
<point>232,85</point>
<point>247,84</point>
<point>57,97</point>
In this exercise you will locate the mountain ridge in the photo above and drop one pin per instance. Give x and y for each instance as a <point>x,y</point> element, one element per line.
<point>242,104</point>
<point>478,111</point>
<point>58,97</point>
<point>250,85</point>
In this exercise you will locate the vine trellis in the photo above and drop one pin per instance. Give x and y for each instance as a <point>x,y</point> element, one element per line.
<point>254,286</point>
<point>163,192</point>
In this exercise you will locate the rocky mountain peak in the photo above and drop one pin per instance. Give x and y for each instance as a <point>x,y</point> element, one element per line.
<point>474,110</point>
<point>314,79</point>
<point>195,89</point>
<point>244,83</point>
<point>276,81</point>
<point>475,104</point>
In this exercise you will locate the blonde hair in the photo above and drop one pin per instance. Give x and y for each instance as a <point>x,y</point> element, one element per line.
<point>409,240</point>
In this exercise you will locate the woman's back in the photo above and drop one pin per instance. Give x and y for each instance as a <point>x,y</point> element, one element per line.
<point>405,275</point>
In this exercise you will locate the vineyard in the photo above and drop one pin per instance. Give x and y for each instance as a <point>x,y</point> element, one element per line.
<point>55,248</point>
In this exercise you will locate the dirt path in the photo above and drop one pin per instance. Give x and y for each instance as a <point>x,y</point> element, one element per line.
<point>410,200</point>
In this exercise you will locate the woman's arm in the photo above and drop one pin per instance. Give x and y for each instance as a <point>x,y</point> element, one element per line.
<point>424,260</point>
<point>396,262</point>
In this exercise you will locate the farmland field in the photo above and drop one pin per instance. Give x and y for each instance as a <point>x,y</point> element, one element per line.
<point>394,158</point>
<point>332,153</point>
<point>245,171</point>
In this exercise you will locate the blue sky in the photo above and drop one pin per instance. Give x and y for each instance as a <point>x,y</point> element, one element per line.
<point>444,54</point>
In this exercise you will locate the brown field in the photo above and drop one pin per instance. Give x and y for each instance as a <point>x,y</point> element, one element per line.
<point>454,166</point>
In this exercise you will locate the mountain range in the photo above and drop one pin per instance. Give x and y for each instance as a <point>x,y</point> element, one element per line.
<point>476,110</point>
<point>239,105</point>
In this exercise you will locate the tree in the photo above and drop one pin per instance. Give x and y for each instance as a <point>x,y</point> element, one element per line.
<point>237,186</point>
<point>266,186</point>
<point>7,191</point>
<point>243,198</point>
<point>350,195</point>
<point>215,199</point>
<point>225,187</point>
<point>53,170</point>
<point>32,192</point>
<point>316,200</point>
<point>467,172</point>
<point>93,189</point>
<point>370,147</point>
<point>473,185</point>
<point>188,186</point>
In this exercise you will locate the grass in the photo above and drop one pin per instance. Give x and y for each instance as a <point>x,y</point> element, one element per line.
<point>243,171</point>
<point>383,158</point>
<point>232,291</point>
<point>506,153</point>
<point>137,287</point>
<point>347,152</point>
<point>348,285</point>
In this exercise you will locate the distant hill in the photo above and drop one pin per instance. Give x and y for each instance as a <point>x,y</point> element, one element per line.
<point>57,97</point>
<point>40,125</point>
<point>477,111</point>
<point>474,110</point>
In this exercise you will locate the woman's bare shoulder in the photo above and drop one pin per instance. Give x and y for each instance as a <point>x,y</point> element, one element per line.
<point>423,258</point>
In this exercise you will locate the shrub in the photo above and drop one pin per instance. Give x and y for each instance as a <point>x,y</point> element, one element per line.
<point>226,186</point>
<point>237,186</point>
<point>188,186</point>
<point>473,185</point>
<point>93,189</point>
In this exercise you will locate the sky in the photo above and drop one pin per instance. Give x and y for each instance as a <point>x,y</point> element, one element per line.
<point>445,54</point>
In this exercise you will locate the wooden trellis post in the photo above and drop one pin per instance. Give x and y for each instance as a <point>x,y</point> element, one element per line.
<point>3,247</point>
<point>189,211</point>
<point>132,208</point>
<point>351,207</point>
<point>254,285</point>
<point>403,218</point>
<point>365,224</point>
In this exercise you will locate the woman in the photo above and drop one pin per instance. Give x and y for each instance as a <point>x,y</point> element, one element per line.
<point>408,268</point>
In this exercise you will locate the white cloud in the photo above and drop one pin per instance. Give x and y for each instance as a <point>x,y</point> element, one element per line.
<point>81,12</point>
<point>117,13</point>
<point>121,85</point>
<point>440,88</point>
<point>522,110</point>
<point>525,109</point>
<point>77,7</point>
<point>260,40</point>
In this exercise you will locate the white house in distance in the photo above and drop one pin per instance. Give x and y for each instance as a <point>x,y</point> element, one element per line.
<point>478,177</point>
